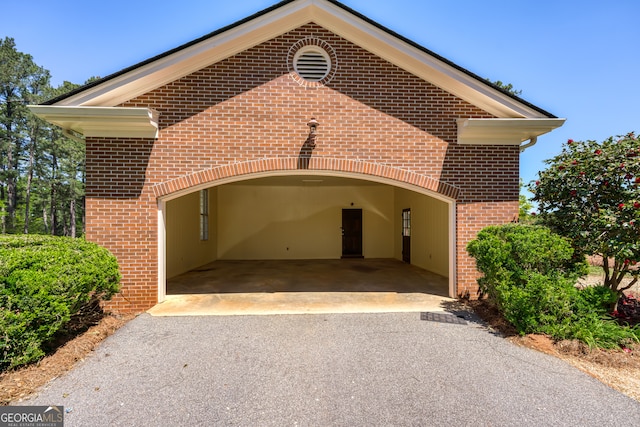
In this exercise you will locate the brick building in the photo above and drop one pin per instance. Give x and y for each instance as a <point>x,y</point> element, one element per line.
<point>305,131</point>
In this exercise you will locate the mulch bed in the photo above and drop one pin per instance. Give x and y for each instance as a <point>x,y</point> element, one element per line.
<point>617,359</point>
<point>80,337</point>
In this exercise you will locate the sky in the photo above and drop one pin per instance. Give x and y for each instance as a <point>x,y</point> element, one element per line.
<point>577,59</point>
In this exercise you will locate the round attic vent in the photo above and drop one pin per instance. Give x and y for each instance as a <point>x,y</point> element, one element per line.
<point>312,62</point>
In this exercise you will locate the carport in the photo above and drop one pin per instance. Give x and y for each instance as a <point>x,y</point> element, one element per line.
<point>277,136</point>
<point>292,240</point>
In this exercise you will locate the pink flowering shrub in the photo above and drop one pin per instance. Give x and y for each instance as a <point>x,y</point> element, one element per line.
<point>590,193</point>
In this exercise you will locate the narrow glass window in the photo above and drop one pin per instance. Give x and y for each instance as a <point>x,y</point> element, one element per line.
<point>204,214</point>
<point>406,223</point>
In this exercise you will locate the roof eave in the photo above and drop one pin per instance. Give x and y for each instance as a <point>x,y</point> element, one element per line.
<point>283,17</point>
<point>504,131</point>
<point>114,122</point>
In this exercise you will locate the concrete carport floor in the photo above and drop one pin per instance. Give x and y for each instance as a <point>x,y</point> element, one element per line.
<point>304,286</point>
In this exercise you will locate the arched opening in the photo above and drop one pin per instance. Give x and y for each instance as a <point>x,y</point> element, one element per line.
<point>275,217</point>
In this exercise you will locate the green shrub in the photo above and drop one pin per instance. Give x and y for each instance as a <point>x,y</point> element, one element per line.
<point>44,281</point>
<point>507,254</point>
<point>530,275</point>
<point>542,300</point>
<point>601,332</point>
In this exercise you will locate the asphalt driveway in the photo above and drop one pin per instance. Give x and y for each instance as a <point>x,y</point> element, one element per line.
<point>325,370</point>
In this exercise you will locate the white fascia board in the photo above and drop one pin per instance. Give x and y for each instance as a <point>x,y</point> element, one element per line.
<point>112,122</point>
<point>503,131</point>
<point>288,17</point>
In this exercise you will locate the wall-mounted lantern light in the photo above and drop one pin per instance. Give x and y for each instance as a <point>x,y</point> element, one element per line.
<point>313,126</point>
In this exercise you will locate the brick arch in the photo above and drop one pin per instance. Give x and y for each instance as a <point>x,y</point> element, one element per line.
<point>304,164</point>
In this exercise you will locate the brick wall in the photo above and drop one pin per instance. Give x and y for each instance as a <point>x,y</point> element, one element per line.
<point>488,177</point>
<point>120,215</point>
<point>246,114</point>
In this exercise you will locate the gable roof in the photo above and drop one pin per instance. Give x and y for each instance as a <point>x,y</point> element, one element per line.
<point>280,18</point>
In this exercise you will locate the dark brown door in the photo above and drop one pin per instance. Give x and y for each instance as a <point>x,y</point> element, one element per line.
<point>406,235</point>
<point>352,233</point>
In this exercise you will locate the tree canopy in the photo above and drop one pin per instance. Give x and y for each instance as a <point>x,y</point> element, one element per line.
<point>41,171</point>
<point>590,193</point>
<point>507,87</point>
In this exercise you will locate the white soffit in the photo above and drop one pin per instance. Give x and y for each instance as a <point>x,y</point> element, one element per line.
<point>503,131</point>
<point>111,122</point>
<point>287,17</point>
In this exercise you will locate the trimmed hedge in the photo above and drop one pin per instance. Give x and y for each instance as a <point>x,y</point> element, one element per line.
<point>530,275</point>
<point>44,280</point>
<point>509,253</point>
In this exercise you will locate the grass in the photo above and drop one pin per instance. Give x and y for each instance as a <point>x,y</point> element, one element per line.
<point>596,270</point>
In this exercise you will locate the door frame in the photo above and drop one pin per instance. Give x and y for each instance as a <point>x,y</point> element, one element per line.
<point>360,237</point>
